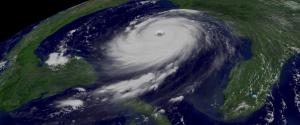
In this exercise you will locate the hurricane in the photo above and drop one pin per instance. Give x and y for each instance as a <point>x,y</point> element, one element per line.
<point>155,47</point>
<point>154,53</point>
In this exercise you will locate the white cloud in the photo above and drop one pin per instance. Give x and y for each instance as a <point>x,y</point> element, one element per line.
<point>70,103</point>
<point>176,99</point>
<point>56,59</point>
<point>2,64</point>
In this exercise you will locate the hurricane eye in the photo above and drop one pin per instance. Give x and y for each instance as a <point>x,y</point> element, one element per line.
<point>160,33</point>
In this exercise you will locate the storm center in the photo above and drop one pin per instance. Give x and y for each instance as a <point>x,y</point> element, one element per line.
<point>160,33</point>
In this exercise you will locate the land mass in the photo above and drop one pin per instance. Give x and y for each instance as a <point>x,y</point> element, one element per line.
<point>272,27</point>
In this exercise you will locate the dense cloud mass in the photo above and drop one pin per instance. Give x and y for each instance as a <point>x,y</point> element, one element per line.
<point>157,46</point>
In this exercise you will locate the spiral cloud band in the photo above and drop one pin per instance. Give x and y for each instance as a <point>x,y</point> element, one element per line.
<point>154,42</point>
<point>157,45</point>
<point>137,55</point>
<point>153,52</point>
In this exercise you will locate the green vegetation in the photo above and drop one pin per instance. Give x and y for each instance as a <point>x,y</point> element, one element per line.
<point>25,80</point>
<point>148,111</point>
<point>272,27</point>
<point>32,81</point>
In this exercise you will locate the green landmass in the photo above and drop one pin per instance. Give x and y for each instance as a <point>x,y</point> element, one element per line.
<point>24,80</point>
<point>273,27</point>
<point>147,110</point>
